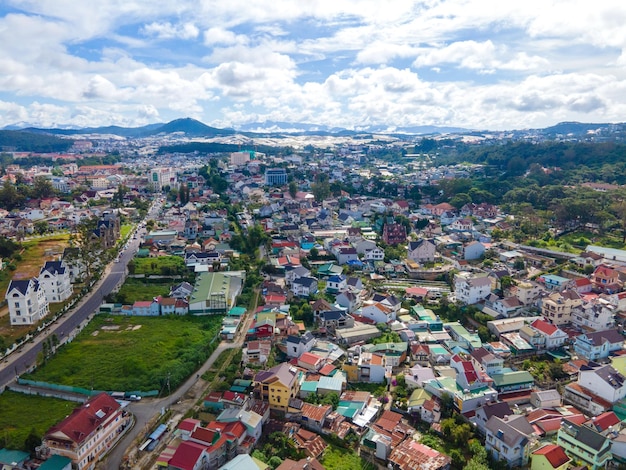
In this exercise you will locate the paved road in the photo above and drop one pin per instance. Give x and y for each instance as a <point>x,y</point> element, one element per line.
<point>20,361</point>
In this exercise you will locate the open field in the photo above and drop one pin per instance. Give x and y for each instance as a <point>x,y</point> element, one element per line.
<point>132,353</point>
<point>161,266</point>
<point>20,414</point>
<point>336,458</point>
<point>136,289</point>
<point>125,230</point>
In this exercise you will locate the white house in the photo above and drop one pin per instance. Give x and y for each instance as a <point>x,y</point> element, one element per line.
<point>348,300</point>
<point>599,344</point>
<point>375,254</point>
<point>291,274</point>
<point>554,336</point>
<point>604,381</point>
<point>304,286</point>
<point>55,280</point>
<point>509,438</point>
<point>378,313</point>
<point>473,250</point>
<point>422,251</point>
<point>596,315</point>
<point>336,284</point>
<point>297,345</point>
<point>27,302</point>
<point>471,288</point>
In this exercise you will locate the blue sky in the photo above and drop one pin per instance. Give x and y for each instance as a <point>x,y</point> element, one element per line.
<point>478,64</point>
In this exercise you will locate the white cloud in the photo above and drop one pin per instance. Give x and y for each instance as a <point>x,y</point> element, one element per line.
<point>168,30</point>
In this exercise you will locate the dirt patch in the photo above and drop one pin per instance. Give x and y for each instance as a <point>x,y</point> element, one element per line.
<point>110,327</point>
<point>95,333</point>
<point>136,327</point>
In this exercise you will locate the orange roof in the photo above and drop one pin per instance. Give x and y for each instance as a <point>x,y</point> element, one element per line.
<point>555,455</point>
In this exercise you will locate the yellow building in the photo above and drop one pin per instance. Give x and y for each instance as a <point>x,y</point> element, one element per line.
<point>278,385</point>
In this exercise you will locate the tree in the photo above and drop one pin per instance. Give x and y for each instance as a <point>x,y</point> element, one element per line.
<point>10,198</point>
<point>293,189</point>
<point>42,188</point>
<point>32,441</point>
<point>321,187</point>
<point>88,244</point>
<point>41,227</point>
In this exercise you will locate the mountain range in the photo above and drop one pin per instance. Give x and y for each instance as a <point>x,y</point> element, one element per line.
<point>194,128</point>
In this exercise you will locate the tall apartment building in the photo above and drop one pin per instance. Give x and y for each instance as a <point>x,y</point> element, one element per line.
<point>161,177</point>
<point>275,176</point>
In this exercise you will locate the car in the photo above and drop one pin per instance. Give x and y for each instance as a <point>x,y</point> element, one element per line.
<point>134,398</point>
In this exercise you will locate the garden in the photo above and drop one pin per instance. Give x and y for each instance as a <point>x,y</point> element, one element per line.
<point>120,353</point>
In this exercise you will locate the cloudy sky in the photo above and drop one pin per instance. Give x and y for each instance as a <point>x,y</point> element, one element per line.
<point>501,64</point>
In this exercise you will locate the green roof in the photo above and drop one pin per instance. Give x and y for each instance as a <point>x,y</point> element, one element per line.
<point>8,456</point>
<point>55,462</point>
<point>310,387</point>
<point>236,311</point>
<point>512,378</point>
<point>418,397</point>
<point>349,409</point>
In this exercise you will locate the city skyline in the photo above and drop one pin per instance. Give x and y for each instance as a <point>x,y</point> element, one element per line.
<point>473,64</point>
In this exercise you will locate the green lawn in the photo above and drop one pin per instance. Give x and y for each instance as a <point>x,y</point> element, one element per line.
<point>132,353</point>
<point>20,414</point>
<point>136,289</point>
<point>125,230</point>
<point>163,265</point>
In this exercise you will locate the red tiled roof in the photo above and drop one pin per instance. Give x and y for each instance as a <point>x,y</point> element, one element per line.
<point>604,421</point>
<point>189,424</point>
<point>315,412</point>
<point>555,455</point>
<point>544,327</point>
<point>327,369</point>
<point>85,419</point>
<point>187,455</point>
<point>309,358</point>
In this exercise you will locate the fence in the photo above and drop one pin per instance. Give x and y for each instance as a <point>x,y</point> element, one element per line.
<point>79,390</point>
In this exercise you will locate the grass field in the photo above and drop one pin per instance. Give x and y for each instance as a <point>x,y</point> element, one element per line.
<point>163,265</point>
<point>135,289</point>
<point>132,353</point>
<point>125,230</point>
<point>20,414</point>
<point>336,458</point>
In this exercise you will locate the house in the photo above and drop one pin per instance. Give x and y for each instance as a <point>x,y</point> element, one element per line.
<point>145,308</point>
<point>297,345</point>
<point>473,250</point>
<point>27,302</point>
<point>599,344</point>
<point>509,439</point>
<point>490,363</point>
<point>584,444</point>
<point>335,319</point>
<point>346,254</point>
<point>278,385</point>
<point>294,272</point>
<point>311,362</point>
<point>313,416</point>
<point>462,225</point>
<point>553,336</point>
<point>549,457</point>
<point>181,291</point>
<point>606,279</point>
<point>348,300</point>
<point>303,464</point>
<point>484,413</point>
<point>304,286</point>
<point>410,455</point>
<point>189,456</point>
<point>545,398</point>
<point>603,381</point>
<point>378,313</point>
<point>597,314</point>
<point>394,233</point>
<point>471,288</point>
<point>422,251</point>
<point>335,284</point>
<point>89,432</point>
<point>375,254</point>
<point>368,367</point>
<point>558,306</point>
<point>55,280</point>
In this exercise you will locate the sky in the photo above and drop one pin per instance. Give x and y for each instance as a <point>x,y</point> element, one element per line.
<point>479,64</point>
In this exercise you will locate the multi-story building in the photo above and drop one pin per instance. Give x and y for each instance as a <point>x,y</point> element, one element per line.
<point>599,344</point>
<point>278,385</point>
<point>509,439</point>
<point>89,432</point>
<point>557,307</point>
<point>158,178</point>
<point>55,280</point>
<point>584,444</point>
<point>275,176</point>
<point>27,301</point>
<point>239,158</point>
<point>470,289</point>
<point>422,251</point>
<point>394,234</point>
<point>596,315</point>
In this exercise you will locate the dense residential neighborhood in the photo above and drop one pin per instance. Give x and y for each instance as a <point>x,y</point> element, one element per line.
<point>359,313</point>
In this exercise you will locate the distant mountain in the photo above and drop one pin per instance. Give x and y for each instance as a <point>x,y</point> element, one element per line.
<point>580,128</point>
<point>275,127</point>
<point>189,126</point>
<point>23,141</point>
